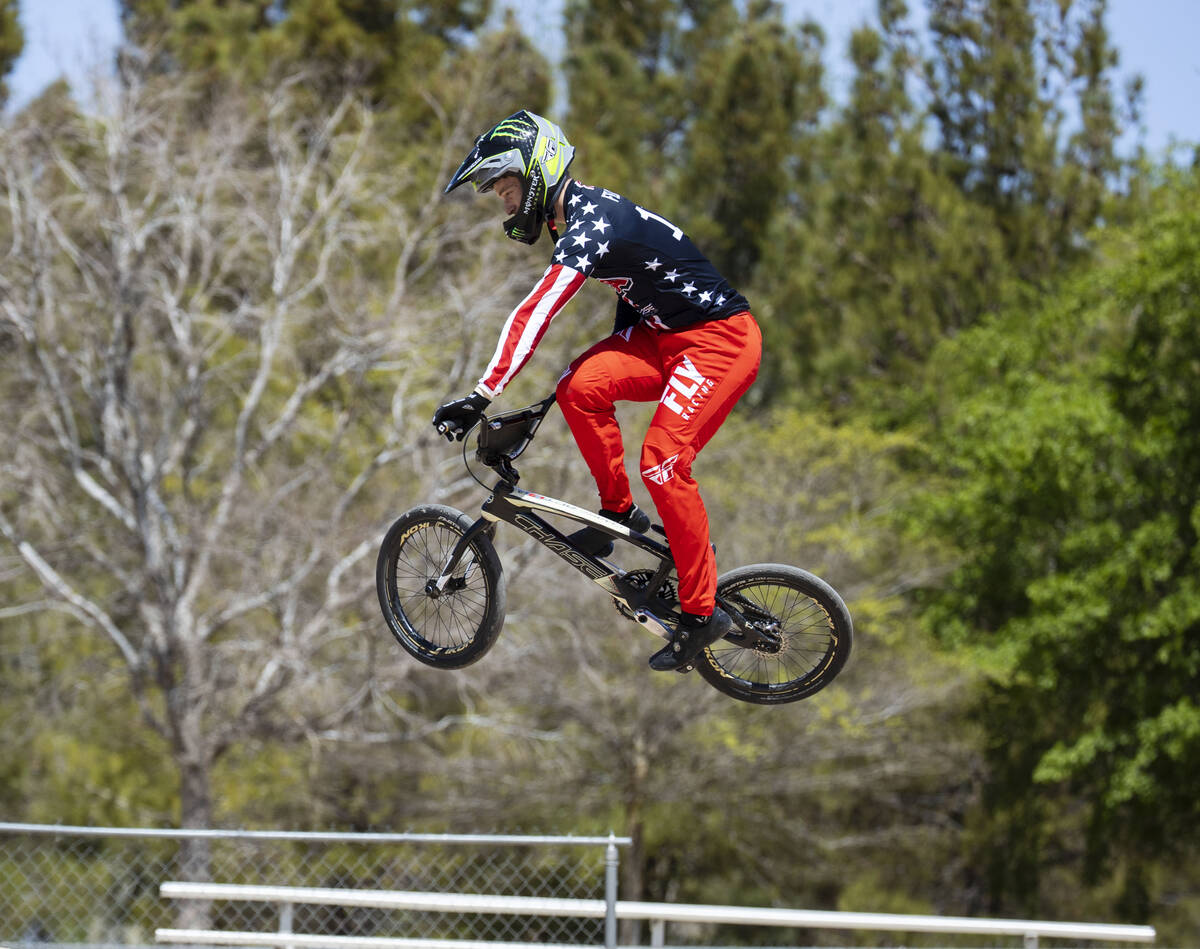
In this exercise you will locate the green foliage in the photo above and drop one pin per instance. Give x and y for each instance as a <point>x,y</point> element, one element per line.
<point>12,41</point>
<point>1070,435</point>
<point>728,96</point>
<point>621,55</point>
<point>383,48</point>
<point>891,244</point>
<point>755,95</point>
<point>1001,80</point>
<point>64,762</point>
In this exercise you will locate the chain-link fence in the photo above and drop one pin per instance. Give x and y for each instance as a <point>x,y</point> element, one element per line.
<point>99,886</point>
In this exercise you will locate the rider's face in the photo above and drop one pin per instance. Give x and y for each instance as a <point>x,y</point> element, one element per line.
<point>509,190</point>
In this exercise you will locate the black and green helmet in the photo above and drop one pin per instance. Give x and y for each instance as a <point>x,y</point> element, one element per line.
<point>527,145</point>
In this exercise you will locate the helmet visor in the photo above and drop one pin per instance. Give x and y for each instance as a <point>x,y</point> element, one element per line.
<point>483,172</point>
<point>491,170</point>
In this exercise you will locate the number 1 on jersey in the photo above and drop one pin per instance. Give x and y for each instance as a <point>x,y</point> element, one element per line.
<point>650,215</point>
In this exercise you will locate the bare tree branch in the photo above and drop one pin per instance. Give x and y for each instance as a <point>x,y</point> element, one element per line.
<point>197,473</point>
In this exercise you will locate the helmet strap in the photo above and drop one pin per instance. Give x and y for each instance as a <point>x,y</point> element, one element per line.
<point>552,227</point>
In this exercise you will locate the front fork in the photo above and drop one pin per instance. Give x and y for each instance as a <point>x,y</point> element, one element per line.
<point>445,581</point>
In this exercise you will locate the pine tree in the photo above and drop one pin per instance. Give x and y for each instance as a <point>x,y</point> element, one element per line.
<point>624,94</point>
<point>879,254</point>
<point>1001,78</point>
<point>725,101</point>
<point>757,97</point>
<point>12,41</point>
<point>382,47</point>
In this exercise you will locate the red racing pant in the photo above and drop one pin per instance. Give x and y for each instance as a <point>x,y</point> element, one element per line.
<point>696,375</point>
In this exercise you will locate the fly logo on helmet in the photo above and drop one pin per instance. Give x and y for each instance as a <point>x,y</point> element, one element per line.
<point>530,147</point>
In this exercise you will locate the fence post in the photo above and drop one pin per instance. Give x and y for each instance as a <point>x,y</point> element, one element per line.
<point>285,920</point>
<point>611,864</point>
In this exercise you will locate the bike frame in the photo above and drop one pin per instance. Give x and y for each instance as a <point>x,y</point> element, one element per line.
<point>520,508</point>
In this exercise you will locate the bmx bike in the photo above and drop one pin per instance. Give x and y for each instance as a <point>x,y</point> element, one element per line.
<point>442,588</point>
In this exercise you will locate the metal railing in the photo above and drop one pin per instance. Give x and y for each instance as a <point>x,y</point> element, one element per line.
<point>659,914</point>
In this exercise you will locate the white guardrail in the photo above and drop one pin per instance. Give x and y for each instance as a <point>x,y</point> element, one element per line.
<point>658,914</point>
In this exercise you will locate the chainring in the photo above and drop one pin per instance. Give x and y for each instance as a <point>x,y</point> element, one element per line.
<point>640,579</point>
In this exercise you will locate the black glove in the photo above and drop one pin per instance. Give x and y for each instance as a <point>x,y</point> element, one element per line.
<point>455,419</point>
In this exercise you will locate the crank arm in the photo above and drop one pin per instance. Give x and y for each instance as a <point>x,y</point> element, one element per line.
<point>653,623</point>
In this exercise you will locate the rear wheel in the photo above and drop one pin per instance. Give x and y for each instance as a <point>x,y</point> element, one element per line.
<point>448,628</point>
<point>794,635</point>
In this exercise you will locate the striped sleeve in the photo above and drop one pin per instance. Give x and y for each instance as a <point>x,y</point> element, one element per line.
<point>527,324</point>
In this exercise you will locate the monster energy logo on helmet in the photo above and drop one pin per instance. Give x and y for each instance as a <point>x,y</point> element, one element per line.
<point>517,126</point>
<point>531,147</point>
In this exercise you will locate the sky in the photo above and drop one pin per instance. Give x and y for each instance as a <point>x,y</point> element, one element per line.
<point>1160,39</point>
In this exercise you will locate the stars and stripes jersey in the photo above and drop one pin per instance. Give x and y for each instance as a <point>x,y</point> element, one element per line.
<point>657,272</point>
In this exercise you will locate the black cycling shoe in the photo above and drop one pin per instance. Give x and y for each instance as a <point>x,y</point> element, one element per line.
<point>599,544</point>
<point>691,636</point>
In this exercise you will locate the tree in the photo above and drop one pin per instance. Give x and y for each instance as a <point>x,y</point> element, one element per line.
<point>727,99</point>
<point>618,54</point>
<point>383,48</point>
<point>12,41</point>
<point>213,348</point>
<point>1071,439</point>
<point>880,254</point>
<point>1000,78</point>
<point>756,98</point>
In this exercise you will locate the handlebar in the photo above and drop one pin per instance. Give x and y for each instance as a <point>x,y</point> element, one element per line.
<point>535,412</point>
<point>504,437</point>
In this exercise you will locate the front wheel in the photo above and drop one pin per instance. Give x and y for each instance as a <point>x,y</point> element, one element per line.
<point>448,628</point>
<point>794,635</point>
